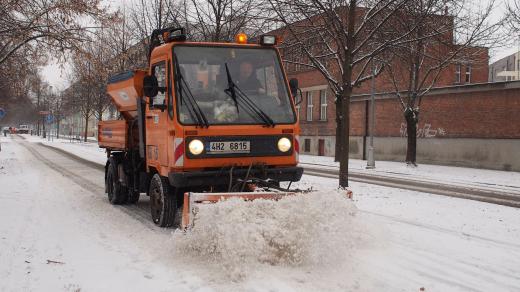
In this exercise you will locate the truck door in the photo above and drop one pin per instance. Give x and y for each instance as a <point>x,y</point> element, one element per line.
<point>157,119</point>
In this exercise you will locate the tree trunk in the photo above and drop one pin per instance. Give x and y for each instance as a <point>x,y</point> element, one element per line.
<point>44,134</point>
<point>337,151</point>
<point>411,117</point>
<point>344,136</point>
<point>86,129</point>
<point>58,129</point>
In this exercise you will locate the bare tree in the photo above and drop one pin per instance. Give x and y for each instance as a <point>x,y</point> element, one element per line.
<point>513,15</point>
<point>82,96</point>
<point>222,20</point>
<point>56,25</point>
<point>155,14</point>
<point>342,39</point>
<point>119,39</point>
<point>17,75</point>
<point>444,34</point>
<point>57,107</point>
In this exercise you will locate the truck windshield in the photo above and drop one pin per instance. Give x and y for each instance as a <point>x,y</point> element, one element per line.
<point>254,71</point>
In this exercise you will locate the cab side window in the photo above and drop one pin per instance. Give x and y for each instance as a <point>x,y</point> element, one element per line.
<point>159,71</point>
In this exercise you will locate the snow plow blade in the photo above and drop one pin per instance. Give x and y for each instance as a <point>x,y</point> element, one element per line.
<point>191,199</point>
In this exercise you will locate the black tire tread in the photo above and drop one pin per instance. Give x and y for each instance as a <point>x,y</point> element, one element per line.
<point>120,193</point>
<point>169,211</point>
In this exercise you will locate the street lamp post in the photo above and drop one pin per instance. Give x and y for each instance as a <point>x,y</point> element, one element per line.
<point>371,163</point>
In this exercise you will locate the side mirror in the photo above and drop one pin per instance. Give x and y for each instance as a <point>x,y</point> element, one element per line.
<point>293,85</point>
<point>150,86</point>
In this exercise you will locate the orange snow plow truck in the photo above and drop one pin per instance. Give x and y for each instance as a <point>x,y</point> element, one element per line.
<point>205,122</point>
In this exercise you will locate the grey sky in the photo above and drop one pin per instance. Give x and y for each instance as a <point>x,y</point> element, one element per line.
<point>56,74</point>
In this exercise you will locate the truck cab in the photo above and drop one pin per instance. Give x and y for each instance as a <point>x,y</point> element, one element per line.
<point>23,129</point>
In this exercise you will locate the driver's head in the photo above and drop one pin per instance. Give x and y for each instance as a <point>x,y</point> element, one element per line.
<point>246,69</point>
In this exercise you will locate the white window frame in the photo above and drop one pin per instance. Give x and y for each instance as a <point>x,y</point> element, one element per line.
<point>310,106</point>
<point>323,105</point>
<point>458,69</point>
<point>468,74</point>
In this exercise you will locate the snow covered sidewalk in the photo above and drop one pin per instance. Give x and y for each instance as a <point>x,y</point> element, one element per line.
<point>505,181</point>
<point>86,150</point>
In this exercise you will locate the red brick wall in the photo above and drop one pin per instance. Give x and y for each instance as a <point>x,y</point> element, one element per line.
<point>476,114</point>
<point>488,114</point>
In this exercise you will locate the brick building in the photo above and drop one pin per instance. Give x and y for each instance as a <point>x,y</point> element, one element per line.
<point>463,120</point>
<point>317,109</point>
<point>473,125</point>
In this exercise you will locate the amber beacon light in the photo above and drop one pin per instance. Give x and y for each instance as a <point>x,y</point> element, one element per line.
<point>241,38</point>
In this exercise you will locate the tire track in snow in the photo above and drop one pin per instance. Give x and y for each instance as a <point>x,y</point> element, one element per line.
<point>138,212</point>
<point>445,230</point>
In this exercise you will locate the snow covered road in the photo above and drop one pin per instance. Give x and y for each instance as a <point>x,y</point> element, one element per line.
<point>58,233</point>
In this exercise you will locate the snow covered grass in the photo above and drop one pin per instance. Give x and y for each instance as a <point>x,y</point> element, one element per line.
<point>312,229</point>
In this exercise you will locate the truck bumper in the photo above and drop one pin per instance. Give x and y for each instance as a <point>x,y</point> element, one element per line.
<point>221,177</point>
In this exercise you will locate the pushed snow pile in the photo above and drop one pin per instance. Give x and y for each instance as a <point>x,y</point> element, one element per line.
<point>305,229</point>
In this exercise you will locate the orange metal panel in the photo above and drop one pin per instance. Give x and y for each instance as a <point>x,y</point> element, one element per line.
<point>113,134</point>
<point>126,92</point>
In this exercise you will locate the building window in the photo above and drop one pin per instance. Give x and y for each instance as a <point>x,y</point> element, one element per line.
<point>323,105</point>
<point>310,106</point>
<point>468,74</point>
<point>457,73</point>
<point>307,145</point>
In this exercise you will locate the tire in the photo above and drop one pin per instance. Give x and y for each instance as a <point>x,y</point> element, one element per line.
<point>163,204</point>
<point>117,194</point>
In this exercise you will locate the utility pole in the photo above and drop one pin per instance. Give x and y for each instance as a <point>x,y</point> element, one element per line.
<point>38,94</point>
<point>371,163</point>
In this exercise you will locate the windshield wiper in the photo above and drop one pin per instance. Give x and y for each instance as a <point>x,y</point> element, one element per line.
<point>196,113</point>
<point>251,108</point>
<point>231,87</point>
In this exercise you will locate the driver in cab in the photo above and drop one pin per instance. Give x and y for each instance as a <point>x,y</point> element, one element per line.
<point>247,80</point>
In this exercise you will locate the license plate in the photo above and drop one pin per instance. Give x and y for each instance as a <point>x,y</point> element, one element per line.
<point>229,147</point>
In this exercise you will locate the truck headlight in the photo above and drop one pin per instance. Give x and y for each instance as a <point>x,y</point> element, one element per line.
<point>284,144</point>
<point>196,147</point>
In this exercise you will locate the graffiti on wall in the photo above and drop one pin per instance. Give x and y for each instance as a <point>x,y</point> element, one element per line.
<point>425,131</point>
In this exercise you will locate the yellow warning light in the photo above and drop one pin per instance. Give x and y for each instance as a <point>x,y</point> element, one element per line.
<point>241,38</point>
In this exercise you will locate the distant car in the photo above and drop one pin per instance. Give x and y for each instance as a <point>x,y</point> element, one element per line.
<point>6,130</point>
<point>24,129</point>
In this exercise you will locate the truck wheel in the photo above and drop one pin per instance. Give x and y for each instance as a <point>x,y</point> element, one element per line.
<point>163,205</point>
<point>117,194</point>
